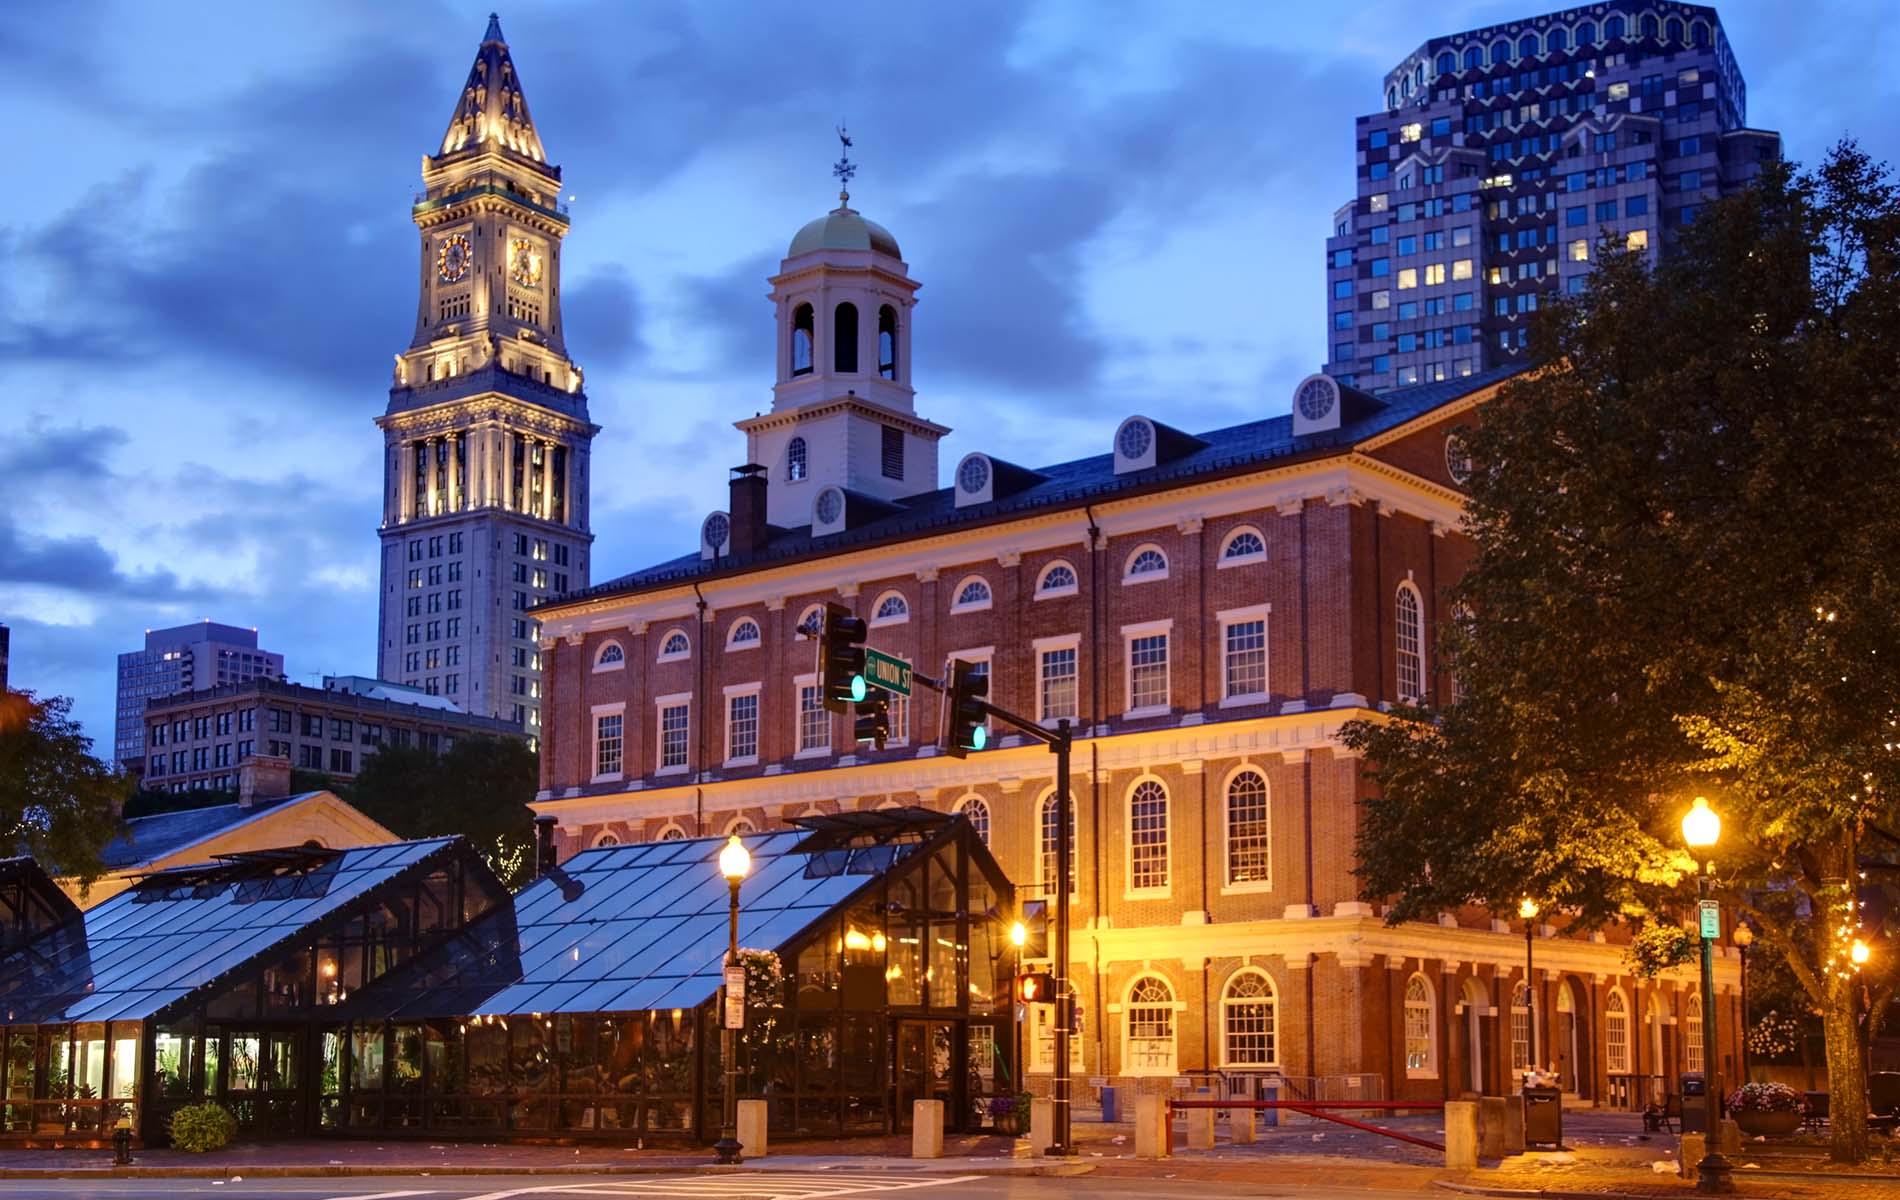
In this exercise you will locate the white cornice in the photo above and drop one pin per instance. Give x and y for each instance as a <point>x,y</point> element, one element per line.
<point>855,404</point>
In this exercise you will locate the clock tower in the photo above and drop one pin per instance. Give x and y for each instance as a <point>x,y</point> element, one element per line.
<point>486,435</point>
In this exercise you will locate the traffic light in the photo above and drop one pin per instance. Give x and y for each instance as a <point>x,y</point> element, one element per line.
<point>1037,988</point>
<point>874,718</point>
<point>841,658</point>
<point>964,713</point>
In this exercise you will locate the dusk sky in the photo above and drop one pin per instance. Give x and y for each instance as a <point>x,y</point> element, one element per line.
<point>209,261</point>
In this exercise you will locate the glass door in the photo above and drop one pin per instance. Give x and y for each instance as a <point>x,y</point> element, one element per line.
<point>923,1067</point>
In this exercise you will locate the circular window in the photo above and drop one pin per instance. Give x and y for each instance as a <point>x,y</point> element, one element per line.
<point>974,474</point>
<point>1134,439</point>
<point>830,506</point>
<point>717,531</point>
<point>1316,398</point>
<point>1457,459</point>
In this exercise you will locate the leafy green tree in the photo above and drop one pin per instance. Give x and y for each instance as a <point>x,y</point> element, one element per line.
<point>479,788</point>
<point>58,803</point>
<point>1686,581</point>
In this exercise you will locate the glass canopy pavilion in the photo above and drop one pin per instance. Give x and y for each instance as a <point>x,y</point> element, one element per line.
<point>399,989</point>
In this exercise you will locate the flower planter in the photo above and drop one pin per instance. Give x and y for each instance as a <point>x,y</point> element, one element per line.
<point>1768,1124</point>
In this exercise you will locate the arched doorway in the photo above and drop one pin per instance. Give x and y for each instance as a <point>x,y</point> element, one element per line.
<point>1568,1044</point>
<point>1477,1007</point>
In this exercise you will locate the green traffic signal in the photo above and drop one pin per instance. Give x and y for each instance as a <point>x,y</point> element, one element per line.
<point>979,737</point>
<point>857,687</point>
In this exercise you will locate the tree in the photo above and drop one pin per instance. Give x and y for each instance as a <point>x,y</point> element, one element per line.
<point>58,803</point>
<point>1686,581</point>
<point>480,788</point>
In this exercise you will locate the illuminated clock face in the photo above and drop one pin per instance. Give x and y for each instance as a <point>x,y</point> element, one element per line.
<point>524,262</point>
<point>451,259</point>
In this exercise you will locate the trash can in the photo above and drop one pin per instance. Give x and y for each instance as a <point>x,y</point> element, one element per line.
<point>1695,1104</point>
<point>1543,1116</point>
<point>1111,1104</point>
<point>1270,1090</point>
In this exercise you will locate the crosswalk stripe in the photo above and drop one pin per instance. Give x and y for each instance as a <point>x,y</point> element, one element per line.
<point>765,1185</point>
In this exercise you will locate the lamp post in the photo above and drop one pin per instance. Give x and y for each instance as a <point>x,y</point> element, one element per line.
<point>1018,935</point>
<point>734,862</point>
<point>1744,937</point>
<point>1527,909</point>
<point>1701,827</point>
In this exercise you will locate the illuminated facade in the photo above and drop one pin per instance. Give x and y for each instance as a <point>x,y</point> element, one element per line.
<point>185,658</point>
<point>486,435</point>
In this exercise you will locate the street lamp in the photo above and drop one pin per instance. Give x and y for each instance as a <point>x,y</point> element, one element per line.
<point>1744,937</point>
<point>734,862</point>
<point>1018,935</point>
<point>1527,909</point>
<point>1701,827</point>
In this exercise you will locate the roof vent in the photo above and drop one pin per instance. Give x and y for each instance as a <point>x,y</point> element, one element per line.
<point>981,479</point>
<point>827,512</point>
<point>715,536</point>
<point>1316,405</point>
<point>1141,443</point>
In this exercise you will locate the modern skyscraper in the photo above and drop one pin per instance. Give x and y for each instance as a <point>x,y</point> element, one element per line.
<point>1502,156</point>
<point>183,659</point>
<point>486,433</point>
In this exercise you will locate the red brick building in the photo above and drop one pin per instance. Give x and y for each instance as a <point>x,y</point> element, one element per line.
<point>1209,608</point>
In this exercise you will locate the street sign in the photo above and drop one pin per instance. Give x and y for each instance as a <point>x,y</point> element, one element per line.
<point>735,997</point>
<point>1711,912</point>
<point>882,670</point>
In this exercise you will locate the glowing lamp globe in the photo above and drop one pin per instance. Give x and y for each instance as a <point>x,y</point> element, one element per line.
<point>1744,934</point>
<point>1700,825</point>
<point>1859,953</point>
<point>1527,908</point>
<point>1018,935</point>
<point>734,862</point>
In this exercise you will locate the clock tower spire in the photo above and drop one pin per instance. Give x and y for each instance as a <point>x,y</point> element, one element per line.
<point>486,433</point>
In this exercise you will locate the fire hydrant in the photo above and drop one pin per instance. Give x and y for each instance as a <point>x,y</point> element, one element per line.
<point>122,1143</point>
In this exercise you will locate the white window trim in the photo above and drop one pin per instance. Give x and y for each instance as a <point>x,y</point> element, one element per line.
<point>660,654</point>
<point>1424,667</point>
<point>799,683</point>
<point>660,705</point>
<point>989,812</point>
<point>612,666</point>
<point>600,840</point>
<point>616,709</point>
<point>810,610</point>
<point>1233,616</point>
<point>1048,796</point>
<point>733,647</point>
<point>1043,593</point>
<point>669,827</point>
<point>1220,1012</point>
<point>1167,566</point>
<point>1129,634</point>
<point>1129,890</point>
<point>1430,1069</point>
<point>877,622</point>
<point>1040,646</point>
<point>743,689</point>
<point>1222,561</point>
<point>988,601</point>
<point>736,818</point>
<point>1121,1010</point>
<point>1228,887</point>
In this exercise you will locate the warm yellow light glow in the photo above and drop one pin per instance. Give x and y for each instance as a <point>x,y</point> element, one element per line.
<point>1744,934</point>
<point>1700,825</point>
<point>855,939</point>
<point>878,943</point>
<point>734,861</point>
<point>1859,953</point>
<point>1018,935</point>
<point>1527,908</point>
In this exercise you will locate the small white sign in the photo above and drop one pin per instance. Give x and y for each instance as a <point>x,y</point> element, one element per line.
<point>735,997</point>
<point>1711,912</point>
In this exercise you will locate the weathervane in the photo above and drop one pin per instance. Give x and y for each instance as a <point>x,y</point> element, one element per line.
<point>844,168</point>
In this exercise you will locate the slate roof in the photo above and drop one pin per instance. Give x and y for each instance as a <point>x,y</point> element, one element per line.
<point>147,838</point>
<point>1071,484</point>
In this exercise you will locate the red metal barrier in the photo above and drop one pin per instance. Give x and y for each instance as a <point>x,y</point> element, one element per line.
<point>1315,1108</point>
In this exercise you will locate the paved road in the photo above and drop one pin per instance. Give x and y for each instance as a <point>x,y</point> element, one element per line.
<point>747,1185</point>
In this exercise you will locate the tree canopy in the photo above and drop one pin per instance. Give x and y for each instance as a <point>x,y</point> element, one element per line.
<point>1686,581</point>
<point>479,788</point>
<point>58,803</point>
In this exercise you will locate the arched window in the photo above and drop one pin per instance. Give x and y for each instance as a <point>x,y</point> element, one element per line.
<point>1586,34</point>
<point>1474,57</point>
<point>1244,545</point>
<point>1558,39</point>
<point>1613,29</point>
<point>674,646</point>
<point>744,634</point>
<point>1651,27</point>
<point>1447,63</point>
<point>1148,836</point>
<point>1421,1049</point>
<point>1249,831</point>
<point>1500,52</point>
<point>740,827</point>
<point>605,840</point>
<point>811,621</point>
<point>1146,563</point>
<point>795,466</point>
<point>1616,1034</point>
<point>610,658</point>
<point>802,335</point>
<point>672,833</point>
<point>892,609</point>
<point>1058,579</point>
<point>1047,843</point>
<point>1391,97</point>
<point>1150,1016</point>
<point>978,812</point>
<point>887,342</point>
<point>844,338</point>
<point>1418,75</point>
<point>1408,615</point>
<point>1672,31</point>
<point>1520,1027</point>
<point>1527,46</point>
<point>973,595</point>
<point>1249,1025</point>
<point>1692,1033</point>
<point>1699,33</point>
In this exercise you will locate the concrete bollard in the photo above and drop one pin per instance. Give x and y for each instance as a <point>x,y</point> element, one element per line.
<point>926,1129</point>
<point>1491,1126</point>
<point>1690,1148</point>
<point>1042,1124</point>
<point>1514,1124</point>
<point>1240,1126</point>
<point>1461,1135</point>
<point>1200,1128</point>
<point>1153,1137</point>
<point>1728,1137</point>
<point>752,1128</point>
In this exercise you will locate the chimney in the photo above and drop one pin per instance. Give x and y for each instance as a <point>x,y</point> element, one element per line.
<point>748,510</point>
<point>544,843</point>
<point>262,777</point>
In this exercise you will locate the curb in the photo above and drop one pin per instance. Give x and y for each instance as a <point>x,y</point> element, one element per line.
<point>415,1170</point>
<point>1472,1189</point>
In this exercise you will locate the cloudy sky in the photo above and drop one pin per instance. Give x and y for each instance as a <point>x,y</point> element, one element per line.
<point>1113,207</point>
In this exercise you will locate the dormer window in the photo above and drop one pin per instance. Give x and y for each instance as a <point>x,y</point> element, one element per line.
<point>802,331</point>
<point>795,460</point>
<point>887,342</point>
